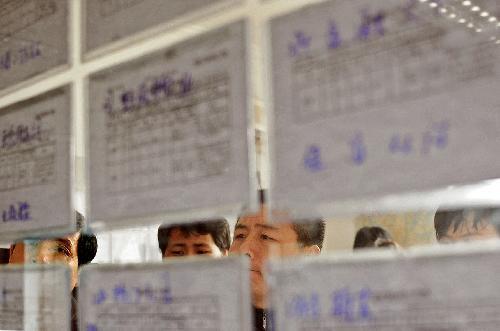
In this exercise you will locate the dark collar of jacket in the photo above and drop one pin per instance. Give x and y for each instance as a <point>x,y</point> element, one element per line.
<point>260,319</point>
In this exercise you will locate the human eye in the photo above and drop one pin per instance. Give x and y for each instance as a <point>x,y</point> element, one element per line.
<point>239,236</point>
<point>203,252</point>
<point>177,253</point>
<point>63,250</point>
<point>267,237</point>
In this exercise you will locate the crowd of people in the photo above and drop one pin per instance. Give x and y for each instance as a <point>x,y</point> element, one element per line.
<point>255,237</point>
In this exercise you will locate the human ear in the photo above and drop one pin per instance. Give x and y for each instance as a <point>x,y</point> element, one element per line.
<point>312,250</point>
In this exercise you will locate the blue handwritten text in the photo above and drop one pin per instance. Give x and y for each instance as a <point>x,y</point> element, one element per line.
<point>17,212</point>
<point>147,92</point>
<point>20,56</point>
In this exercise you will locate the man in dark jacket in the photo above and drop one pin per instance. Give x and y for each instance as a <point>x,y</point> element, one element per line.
<point>255,237</point>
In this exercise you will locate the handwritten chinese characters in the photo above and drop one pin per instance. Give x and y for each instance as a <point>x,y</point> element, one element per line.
<point>377,67</point>
<point>346,305</point>
<point>11,308</point>
<point>152,91</point>
<point>157,306</point>
<point>34,38</point>
<point>183,124</point>
<point>377,99</point>
<point>35,297</point>
<point>414,292</point>
<point>28,151</point>
<point>123,294</point>
<point>19,212</point>
<point>35,161</point>
<point>171,121</point>
<point>20,56</point>
<point>435,139</point>
<point>178,295</point>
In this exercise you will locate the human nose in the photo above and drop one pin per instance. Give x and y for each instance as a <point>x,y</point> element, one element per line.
<point>44,259</point>
<point>247,248</point>
<point>190,251</point>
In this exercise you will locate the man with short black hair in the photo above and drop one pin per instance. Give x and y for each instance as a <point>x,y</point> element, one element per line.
<point>466,224</point>
<point>211,237</point>
<point>255,237</point>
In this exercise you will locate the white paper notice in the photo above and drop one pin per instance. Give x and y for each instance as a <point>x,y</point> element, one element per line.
<point>35,298</point>
<point>202,294</point>
<point>168,132</point>
<point>35,185</point>
<point>107,21</point>
<point>383,97</point>
<point>34,38</point>
<point>446,292</point>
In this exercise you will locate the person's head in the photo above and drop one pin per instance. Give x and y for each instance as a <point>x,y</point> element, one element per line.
<point>258,239</point>
<point>466,224</point>
<point>211,238</point>
<point>74,250</point>
<point>61,250</point>
<point>372,237</point>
